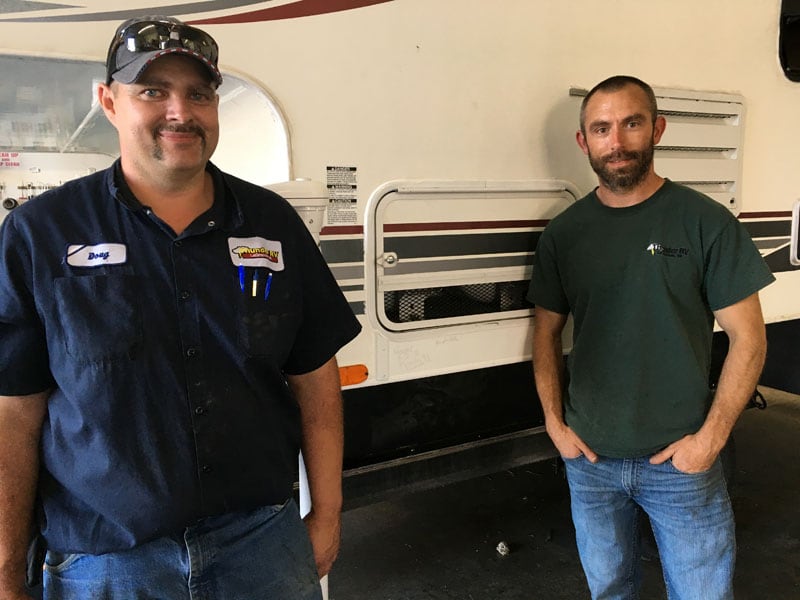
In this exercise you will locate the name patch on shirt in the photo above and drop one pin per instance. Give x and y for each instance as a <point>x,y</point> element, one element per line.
<point>99,255</point>
<point>256,252</point>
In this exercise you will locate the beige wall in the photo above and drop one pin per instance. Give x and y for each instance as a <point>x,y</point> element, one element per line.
<point>471,89</point>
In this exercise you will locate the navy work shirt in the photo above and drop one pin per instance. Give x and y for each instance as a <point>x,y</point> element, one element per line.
<point>167,366</point>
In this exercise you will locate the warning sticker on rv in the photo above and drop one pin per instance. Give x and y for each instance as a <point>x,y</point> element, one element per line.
<point>9,160</point>
<point>342,195</point>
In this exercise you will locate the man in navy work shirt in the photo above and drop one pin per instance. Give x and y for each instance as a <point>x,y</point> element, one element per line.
<point>167,346</point>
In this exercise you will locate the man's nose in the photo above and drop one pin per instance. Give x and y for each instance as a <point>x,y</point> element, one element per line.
<point>615,137</point>
<point>178,108</point>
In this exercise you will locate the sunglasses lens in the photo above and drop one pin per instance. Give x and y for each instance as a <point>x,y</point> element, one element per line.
<point>157,36</point>
<point>150,36</point>
<point>199,42</point>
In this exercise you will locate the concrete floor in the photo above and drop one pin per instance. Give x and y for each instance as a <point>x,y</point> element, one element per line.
<point>441,543</point>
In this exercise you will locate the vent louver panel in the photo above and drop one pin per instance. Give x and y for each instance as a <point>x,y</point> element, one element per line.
<point>701,146</point>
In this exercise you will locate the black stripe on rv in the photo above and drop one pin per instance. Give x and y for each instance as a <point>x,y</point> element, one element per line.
<point>342,251</point>
<point>761,229</point>
<point>429,246</point>
<point>777,260</point>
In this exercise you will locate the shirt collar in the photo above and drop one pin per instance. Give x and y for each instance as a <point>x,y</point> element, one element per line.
<point>226,210</point>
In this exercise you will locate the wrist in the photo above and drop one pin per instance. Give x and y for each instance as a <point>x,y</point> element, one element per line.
<point>554,422</point>
<point>712,440</point>
<point>329,509</point>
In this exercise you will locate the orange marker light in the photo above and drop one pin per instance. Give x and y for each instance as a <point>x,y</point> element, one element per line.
<point>353,374</point>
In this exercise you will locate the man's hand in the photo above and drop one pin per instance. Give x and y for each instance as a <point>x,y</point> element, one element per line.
<point>567,442</point>
<point>690,454</point>
<point>325,534</point>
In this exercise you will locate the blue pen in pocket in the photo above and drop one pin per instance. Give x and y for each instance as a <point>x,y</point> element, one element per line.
<point>267,286</point>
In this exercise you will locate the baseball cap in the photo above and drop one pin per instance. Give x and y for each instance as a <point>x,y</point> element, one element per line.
<point>141,40</point>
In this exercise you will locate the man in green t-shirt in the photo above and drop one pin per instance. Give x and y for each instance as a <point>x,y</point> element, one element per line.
<point>645,266</point>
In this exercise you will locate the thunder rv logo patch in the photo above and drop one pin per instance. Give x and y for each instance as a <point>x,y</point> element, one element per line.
<point>656,248</point>
<point>256,252</point>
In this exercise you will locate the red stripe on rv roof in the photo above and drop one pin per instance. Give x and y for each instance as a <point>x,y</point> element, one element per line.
<point>303,8</point>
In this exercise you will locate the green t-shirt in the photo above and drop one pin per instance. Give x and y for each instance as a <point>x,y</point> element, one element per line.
<point>641,283</point>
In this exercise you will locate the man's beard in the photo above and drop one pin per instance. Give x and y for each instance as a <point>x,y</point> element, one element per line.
<point>626,178</point>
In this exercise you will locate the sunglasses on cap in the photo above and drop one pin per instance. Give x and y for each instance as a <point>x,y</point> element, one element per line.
<point>154,36</point>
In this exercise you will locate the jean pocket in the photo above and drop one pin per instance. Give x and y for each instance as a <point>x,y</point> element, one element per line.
<point>271,511</point>
<point>58,562</point>
<point>572,459</point>
<point>675,469</point>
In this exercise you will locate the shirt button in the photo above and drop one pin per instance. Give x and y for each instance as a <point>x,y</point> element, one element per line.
<point>185,295</point>
<point>212,223</point>
<point>178,244</point>
<point>206,469</point>
<point>199,410</point>
<point>191,352</point>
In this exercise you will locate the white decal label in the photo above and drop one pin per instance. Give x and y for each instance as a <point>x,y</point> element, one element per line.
<point>99,255</point>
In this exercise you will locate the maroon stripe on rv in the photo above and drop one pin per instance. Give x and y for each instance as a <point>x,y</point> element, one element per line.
<point>304,8</point>
<point>781,214</point>
<point>342,230</point>
<point>460,225</point>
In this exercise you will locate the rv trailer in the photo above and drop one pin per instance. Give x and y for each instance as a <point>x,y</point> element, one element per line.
<point>428,144</point>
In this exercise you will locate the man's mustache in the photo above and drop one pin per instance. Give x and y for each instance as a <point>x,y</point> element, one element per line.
<point>621,155</point>
<point>182,129</point>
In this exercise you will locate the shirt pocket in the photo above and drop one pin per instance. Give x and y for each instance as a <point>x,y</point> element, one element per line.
<point>267,330</point>
<point>100,316</point>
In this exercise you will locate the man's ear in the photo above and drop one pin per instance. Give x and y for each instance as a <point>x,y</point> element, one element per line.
<point>106,99</point>
<point>581,139</point>
<point>658,128</point>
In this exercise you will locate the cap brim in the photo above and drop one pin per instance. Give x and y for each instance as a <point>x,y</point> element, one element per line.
<point>131,72</point>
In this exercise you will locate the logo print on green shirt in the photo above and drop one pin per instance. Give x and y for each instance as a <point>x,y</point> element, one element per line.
<point>656,248</point>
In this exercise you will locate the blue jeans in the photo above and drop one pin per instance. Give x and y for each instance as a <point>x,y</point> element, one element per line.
<point>261,555</point>
<point>691,518</point>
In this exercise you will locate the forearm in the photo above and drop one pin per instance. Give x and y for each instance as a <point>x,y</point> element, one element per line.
<point>322,453</point>
<point>548,369</point>
<point>20,427</point>
<point>738,379</point>
<point>319,395</point>
<point>744,325</point>
<point>320,400</point>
